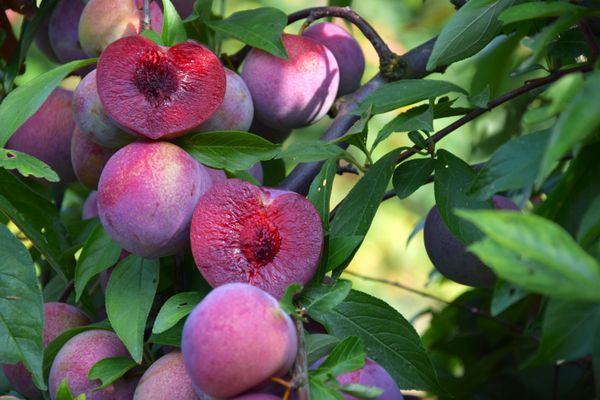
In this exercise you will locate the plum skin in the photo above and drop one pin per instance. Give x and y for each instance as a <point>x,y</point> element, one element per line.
<point>234,326</point>
<point>88,158</point>
<point>295,92</point>
<point>166,378</point>
<point>450,256</point>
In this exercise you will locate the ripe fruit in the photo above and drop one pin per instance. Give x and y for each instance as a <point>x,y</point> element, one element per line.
<point>295,92</point>
<point>257,396</point>
<point>99,27</point>
<point>78,356</point>
<point>346,50</point>
<point>63,30</point>
<point>58,318</point>
<point>166,92</point>
<point>236,111</point>
<point>47,134</point>
<point>91,118</point>
<point>274,135</point>
<point>266,237</point>
<point>90,206</point>
<point>88,159</point>
<point>166,379</point>
<point>235,339</point>
<point>450,256</point>
<point>146,197</point>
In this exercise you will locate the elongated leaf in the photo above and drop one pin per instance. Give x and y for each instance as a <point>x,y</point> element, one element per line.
<point>110,369</point>
<point>417,118</point>
<point>313,151</point>
<point>129,296</point>
<point>319,345</point>
<point>27,165</point>
<point>173,30</point>
<point>320,298</point>
<point>469,31</point>
<point>22,102</point>
<point>234,151</point>
<point>63,392</point>
<point>536,254</point>
<point>389,339</point>
<point>505,295</point>
<point>99,253</point>
<point>340,249</point>
<point>362,391</point>
<point>537,9</point>
<point>261,28</point>
<point>390,96</point>
<point>411,175</point>
<point>320,191</point>
<point>21,308</point>
<point>175,309</point>
<point>319,390</point>
<point>348,355</point>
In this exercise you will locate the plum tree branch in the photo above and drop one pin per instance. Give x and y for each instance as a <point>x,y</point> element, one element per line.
<point>146,21</point>
<point>300,377</point>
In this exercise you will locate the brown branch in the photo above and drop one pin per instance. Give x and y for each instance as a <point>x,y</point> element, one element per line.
<point>146,19</point>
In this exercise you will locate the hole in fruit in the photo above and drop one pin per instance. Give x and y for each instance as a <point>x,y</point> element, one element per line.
<point>259,240</point>
<point>156,78</point>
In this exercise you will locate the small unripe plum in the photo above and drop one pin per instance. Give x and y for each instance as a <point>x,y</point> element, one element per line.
<point>295,92</point>
<point>166,379</point>
<point>63,30</point>
<point>58,318</point>
<point>47,134</point>
<point>450,256</point>
<point>266,237</point>
<point>346,50</point>
<point>166,91</point>
<point>78,356</point>
<point>105,21</point>
<point>88,158</point>
<point>91,118</point>
<point>146,196</point>
<point>236,111</point>
<point>90,206</point>
<point>235,339</point>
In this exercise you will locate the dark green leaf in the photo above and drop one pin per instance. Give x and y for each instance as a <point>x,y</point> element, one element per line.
<point>129,296</point>
<point>348,355</point>
<point>25,100</point>
<point>320,391</point>
<point>234,151</point>
<point>261,28</point>
<point>537,9</point>
<point>320,191</point>
<point>481,99</point>
<point>411,175</point>
<point>469,31</point>
<point>21,307</point>
<point>99,253</point>
<point>319,298</point>
<point>110,369</point>
<point>340,249</point>
<point>170,337</point>
<point>319,345</point>
<point>315,150</point>
<point>417,118</point>
<point>505,295</point>
<point>358,133</point>
<point>175,309</point>
<point>558,96</point>
<point>173,30</point>
<point>536,254</point>
<point>390,340</point>
<point>27,165</point>
<point>287,300</point>
<point>392,95</point>
<point>514,165</point>
<point>589,230</point>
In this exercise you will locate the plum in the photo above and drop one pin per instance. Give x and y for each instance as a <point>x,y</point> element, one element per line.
<point>90,206</point>
<point>91,118</point>
<point>58,318</point>
<point>63,31</point>
<point>226,335</point>
<point>88,158</point>
<point>105,21</point>
<point>77,356</point>
<point>236,111</point>
<point>257,396</point>
<point>295,92</point>
<point>266,237</point>
<point>345,49</point>
<point>146,196</point>
<point>166,378</point>
<point>47,134</point>
<point>450,256</point>
<point>275,135</point>
<point>167,92</point>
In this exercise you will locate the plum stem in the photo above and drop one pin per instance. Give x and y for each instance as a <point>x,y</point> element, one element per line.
<point>300,376</point>
<point>146,19</point>
<point>66,292</point>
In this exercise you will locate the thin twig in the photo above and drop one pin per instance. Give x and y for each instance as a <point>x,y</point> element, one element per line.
<point>146,19</point>
<point>300,377</point>
<point>66,292</point>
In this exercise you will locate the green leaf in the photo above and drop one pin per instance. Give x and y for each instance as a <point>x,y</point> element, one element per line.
<point>417,118</point>
<point>155,37</point>
<point>576,123</point>
<point>27,165</point>
<point>559,95</point>
<point>513,165</point>
<point>469,31</point>
<point>321,391</point>
<point>568,332</point>
<point>392,95</point>
<point>362,391</point>
<point>340,249</point>
<point>390,339</point>
<point>287,300</point>
<point>63,392</point>
<point>234,151</point>
<point>261,28</point>
<point>536,254</point>
<point>170,337</point>
<point>21,103</point>
<point>348,355</point>
<point>315,150</point>
<point>129,296</point>
<point>411,175</point>
<point>589,230</point>
<point>109,370</point>
<point>38,219</point>
<point>175,309</point>
<point>319,298</point>
<point>319,345</point>
<point>320,191</point>
<point>99,253</point>
<point>481,99</point>
<point>452,179</point>
<point>537,9</point>
<point>21,308</point>
<point>505,295</point>
<point>173,30</point>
